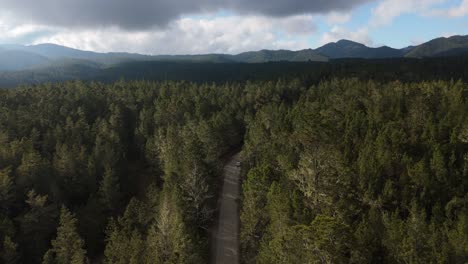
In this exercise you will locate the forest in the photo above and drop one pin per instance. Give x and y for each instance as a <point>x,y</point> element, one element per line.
<point>310,72</point>
<point>338,170</point>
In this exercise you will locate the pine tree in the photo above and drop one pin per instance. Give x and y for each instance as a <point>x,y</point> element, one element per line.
<point>70,164</point>
<point>6,190</point>
<point>48,258</point>
<point>124,239</point>
<point>331,240</point>
<point>168,240</point>
<point>254,214</point>
<point>279,225</point>
<point>9,254</point>
<point>458,237</point>
<point>109,190</point>
<point>196,195</point>
<point>36,226</point>
<point>68,247</point>
<point>31,172</point>
<point>438,166</point>
<point>124,243</point>
<point>321,177</point>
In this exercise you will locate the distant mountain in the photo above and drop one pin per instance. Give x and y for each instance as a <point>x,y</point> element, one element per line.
<point>440,46</point>
<point>19,57</point>
<point>453,52</point>
<point>308,55</point>
<point>14,60</point>
<point>279,55</point>
<point>11,47</point>
<point>351,49</point>
<point>215,58</point>
<point>55,52</point>
<point>248,57</point>
<point>407,49</point>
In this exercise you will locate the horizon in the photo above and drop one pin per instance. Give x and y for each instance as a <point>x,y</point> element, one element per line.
<point>258,50</point>
<point>228,27</point>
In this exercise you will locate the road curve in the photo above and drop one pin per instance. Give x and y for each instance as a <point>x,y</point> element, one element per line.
<point>225,244</point>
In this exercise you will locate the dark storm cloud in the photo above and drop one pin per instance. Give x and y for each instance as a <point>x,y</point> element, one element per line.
<point>141,14</point>
<point>291,7</point>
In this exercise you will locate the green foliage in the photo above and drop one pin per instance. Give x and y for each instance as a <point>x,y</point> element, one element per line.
<point>331,240</point>
<point>168,240</point>
<point>67,247</point>
<point>32,172</point>
<point>254,216</point>
<point>124,245</point>
<point>126,236</point>
<point>325,240</point>
<point>70,167</point>
<point>37,226</point>
<point>109,190</point>
<point>104,144</point>
<point>457,236</point>
<point>335,171</point>
<point>379,169</point>
<point>9,253</point>
<point>6,191</point>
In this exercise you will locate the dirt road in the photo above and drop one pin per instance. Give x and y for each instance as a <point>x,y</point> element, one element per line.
<point>225,244</point>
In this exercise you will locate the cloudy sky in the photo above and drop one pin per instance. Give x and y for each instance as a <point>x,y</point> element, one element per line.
<point>227,26</point>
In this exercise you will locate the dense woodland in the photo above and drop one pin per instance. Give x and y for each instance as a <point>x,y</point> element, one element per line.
<point>358,172</point>
<point>337,171</point>
<point>312,72</point>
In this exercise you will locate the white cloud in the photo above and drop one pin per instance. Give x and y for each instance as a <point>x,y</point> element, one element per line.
<point>335,18</point>
<point>337,33</point>
<point>12,32</point>
<point>458,11</point>
<point>387,10</point>
<point>231,34</point>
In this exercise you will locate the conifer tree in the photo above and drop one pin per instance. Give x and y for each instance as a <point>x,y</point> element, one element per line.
<point>6,190</point>
<point>9,254</point>
<point>168,240</point>
<point>30,174</point>
<point>254,215</point>
<point>124,243</point>
<point>36,227</point>
<point>196,195</point>
<point>67,247</point>
<point>109,189</point>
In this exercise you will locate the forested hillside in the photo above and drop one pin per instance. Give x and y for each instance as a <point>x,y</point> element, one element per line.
<point>335,171</point>
<point>403,69</point>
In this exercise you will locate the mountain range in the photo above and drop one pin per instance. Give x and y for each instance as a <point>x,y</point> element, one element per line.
<point>19,57</point>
